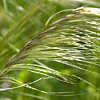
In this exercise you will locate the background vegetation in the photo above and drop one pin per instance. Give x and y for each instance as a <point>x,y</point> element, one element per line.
<point>23,20</point>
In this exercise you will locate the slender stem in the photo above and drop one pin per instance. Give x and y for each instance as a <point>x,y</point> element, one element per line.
<point>4,72</point>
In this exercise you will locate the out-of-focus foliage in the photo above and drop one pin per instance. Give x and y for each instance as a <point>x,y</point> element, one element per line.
<point>69,54</point>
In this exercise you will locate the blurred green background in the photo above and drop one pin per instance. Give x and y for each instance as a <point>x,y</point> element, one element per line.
<point>21,21</point>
